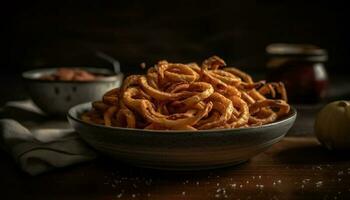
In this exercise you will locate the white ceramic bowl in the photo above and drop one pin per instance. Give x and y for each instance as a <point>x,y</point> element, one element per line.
<point>180,150</point>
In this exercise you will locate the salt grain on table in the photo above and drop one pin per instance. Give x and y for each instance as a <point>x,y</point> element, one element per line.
<point>260,186</point>
<point>148,182</point>
<point>319,184</point>
<point>305,181</point>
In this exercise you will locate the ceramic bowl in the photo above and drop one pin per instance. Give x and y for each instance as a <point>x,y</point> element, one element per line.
<point>180,150</point>
<point>56,97</point>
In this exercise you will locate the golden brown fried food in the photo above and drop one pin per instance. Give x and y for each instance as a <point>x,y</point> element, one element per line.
<point>175,96</point>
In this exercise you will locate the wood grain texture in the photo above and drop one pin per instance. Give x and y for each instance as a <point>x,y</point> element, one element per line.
<point>295,168</point>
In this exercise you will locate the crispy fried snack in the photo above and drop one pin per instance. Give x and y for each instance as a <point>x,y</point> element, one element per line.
<point>175,96</point>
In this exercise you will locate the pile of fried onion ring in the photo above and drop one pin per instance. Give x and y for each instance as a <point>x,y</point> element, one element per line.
<point>175,96</point>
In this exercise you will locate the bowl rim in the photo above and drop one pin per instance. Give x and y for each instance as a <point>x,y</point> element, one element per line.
<point>70,115</point>
<point>111,76</point>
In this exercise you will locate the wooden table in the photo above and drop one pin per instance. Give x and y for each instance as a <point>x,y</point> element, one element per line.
<point>295,168</point>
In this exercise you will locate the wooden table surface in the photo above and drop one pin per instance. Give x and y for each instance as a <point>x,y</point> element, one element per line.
<point>295,168</point>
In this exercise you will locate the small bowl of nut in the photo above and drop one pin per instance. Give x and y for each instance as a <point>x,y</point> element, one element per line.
<point>55,90</point>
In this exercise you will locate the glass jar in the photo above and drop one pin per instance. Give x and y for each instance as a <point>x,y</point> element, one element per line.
<point>301,68</point>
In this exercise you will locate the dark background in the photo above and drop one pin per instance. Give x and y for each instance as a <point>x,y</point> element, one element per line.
<point>46,33</point>
<point>67,33</point>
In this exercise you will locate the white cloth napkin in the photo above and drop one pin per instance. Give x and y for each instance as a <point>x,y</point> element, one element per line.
<point>37,144</point>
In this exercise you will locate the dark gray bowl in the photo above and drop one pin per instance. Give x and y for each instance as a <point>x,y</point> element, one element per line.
<point>180,150</point>
<point>56,97</point>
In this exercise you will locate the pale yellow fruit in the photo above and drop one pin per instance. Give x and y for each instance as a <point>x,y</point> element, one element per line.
<point>332,125</point>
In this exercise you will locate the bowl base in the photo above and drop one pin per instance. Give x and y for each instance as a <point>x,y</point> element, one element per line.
<point>186,168</point>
